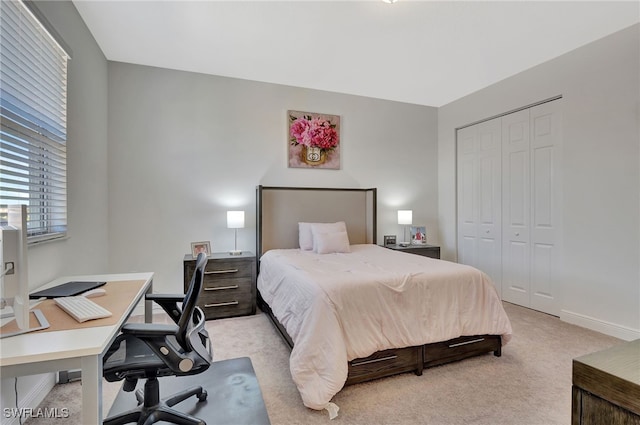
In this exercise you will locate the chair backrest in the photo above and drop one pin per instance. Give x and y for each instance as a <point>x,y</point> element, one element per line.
<point>190,301</point>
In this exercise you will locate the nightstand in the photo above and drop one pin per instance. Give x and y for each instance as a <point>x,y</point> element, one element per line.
<point>229,287</point>
<point>424,250</point>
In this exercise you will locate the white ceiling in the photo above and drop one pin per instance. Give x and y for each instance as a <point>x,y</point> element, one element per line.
<point>422,52</point>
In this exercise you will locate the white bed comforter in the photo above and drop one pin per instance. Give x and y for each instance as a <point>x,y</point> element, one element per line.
<point>338,307</point>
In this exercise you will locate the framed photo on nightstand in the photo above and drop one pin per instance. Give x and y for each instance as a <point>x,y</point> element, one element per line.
<point>418,235</point>
<point>198,247</point>
<point>389,240</point>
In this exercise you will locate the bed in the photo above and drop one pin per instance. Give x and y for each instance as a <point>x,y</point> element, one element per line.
<point>364,312</point>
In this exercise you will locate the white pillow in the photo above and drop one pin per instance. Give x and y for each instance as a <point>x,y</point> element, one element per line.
<point>339,226</point>
<point>328,243</point>
<point>305,234</point>
<point>305,237</point>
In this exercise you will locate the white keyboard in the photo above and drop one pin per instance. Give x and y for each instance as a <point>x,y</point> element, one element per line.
<point>81,308</point>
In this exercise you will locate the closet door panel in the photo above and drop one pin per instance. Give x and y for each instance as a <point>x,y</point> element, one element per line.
<point>543,187</point>
<point>516,274</point>
<point>467,197</point>
<point>479,198</point>
<point>467,248</point>
<point>516,208</point>
<point>544,286</point>
<point>546,138</point>
<point>541,270</point>
<point>490,202</point>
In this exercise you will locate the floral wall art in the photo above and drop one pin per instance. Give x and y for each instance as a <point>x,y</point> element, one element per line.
<point>314,140</point>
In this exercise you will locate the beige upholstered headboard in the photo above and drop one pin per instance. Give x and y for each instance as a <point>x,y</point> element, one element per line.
<point>279,209</point>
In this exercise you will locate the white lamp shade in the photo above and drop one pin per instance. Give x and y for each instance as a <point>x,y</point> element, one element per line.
<point>405,216</point>
<point>235,219</point>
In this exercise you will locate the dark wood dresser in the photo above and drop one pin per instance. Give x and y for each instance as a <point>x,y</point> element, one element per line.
<point>606,386</point>
<point>424,250</point>
<point>229,287</point>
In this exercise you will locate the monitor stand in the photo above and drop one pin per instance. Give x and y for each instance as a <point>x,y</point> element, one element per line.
<point>43,323</point>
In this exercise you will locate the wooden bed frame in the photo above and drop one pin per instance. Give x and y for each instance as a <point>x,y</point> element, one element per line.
<point>279,209</point>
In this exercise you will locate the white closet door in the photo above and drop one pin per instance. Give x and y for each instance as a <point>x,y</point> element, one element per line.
<point>546,206</point>
<point>479,198</point>
<point>510,204</point>
<point>516,208</point>
<point>532,197</point>
<point>467,197</point>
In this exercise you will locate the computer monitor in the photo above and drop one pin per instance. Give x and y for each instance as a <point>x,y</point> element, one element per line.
<point>14,283</point>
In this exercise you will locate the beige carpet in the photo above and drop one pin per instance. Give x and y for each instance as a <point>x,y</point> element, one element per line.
<point>529,385</point>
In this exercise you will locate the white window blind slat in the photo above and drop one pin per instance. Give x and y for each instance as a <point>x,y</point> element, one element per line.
<point>36,76</point>
<point>22,126</point>
<point>33,115</point>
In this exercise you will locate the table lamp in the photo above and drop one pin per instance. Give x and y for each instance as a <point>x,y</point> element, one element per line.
<point>235,221</point>
<point>405,218</point>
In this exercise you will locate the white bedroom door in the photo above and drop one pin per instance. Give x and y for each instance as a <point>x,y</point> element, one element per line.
<point>479,198</point>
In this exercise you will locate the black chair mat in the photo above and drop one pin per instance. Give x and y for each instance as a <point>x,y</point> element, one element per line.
<point>234,396</point>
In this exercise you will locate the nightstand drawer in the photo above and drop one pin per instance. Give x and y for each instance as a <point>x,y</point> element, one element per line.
<point>227,269</point>
<point>228,285</point>
<point>226,304</point>
<point>385,362</point>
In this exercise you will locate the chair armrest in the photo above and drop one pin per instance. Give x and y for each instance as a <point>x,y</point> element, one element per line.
<point>149,330</point>
<point>163,341</point>
<point>165,297</point>
<point>169,303</point>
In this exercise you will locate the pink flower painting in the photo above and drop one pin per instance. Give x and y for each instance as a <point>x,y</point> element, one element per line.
<point>314,140</point>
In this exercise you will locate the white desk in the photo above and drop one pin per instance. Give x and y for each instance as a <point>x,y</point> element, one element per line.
<point>43,352</point>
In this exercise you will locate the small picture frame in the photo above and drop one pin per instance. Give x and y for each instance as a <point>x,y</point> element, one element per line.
<point>389,240</point>
<point>198,247</point>
<point>418,235</point>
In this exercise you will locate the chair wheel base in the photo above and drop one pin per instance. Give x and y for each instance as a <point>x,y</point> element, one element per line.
<point>162,411</point>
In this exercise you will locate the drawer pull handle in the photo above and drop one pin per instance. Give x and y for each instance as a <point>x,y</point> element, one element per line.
<point>221,288</point>
<point>221,304</point>
<point>222,271</point>
<point>381,359</point>
<point>466,342</point>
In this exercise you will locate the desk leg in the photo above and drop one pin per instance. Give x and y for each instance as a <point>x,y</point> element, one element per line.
<point>91,390</point>
<point>148,306</point>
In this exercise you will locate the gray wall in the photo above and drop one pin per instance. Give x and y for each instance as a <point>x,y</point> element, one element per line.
<point>184,148</point>
<point>600,85</point>
<point>85,250</point>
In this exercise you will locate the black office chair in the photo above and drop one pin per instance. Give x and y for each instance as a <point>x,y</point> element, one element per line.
<point>149,351</point>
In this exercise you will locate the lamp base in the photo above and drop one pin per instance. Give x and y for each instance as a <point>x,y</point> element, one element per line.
<point>235,252</point>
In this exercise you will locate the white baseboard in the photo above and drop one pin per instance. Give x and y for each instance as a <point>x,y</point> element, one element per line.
<point>611,329</point>
<point>32,399</point>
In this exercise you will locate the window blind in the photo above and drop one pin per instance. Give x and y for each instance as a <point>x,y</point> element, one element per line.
<point>33,121</point>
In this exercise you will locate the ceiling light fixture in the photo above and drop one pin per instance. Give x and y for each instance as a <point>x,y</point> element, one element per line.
<point>390,1</point>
